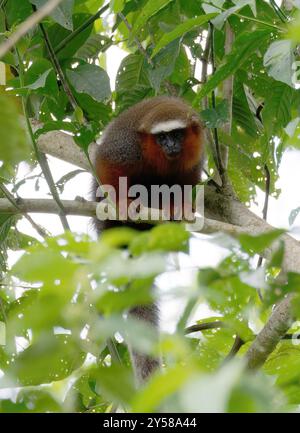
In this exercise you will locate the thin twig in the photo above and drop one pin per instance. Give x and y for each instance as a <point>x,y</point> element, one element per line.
<point>80,29</point>
<point>41,157</point>
<point>204,61</point>
<point>136,40</point>
<point>279,12</point>
<point>41,231</point>
<point>255,20</point>
<point>220,166</point>
<point>238,343</point>
<point>57,67</point>
<point>205,104</point>
<point>265,210</point>
<point>27,25</point>
<point>205,326</point>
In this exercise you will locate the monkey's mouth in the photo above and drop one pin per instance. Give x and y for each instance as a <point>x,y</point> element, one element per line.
<point>172,156</point>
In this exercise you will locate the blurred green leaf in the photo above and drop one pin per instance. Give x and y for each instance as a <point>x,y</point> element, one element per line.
<point>14,146</point>
<point>279,60</point>
<point>90,79</point>
<point>259,243</point>
<point>165,237</point>
<point>216,117</point>
<point>62,14</point>
<point>151,8</point>
<point>180,30</point>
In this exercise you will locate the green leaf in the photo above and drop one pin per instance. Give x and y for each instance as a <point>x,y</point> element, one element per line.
<point>17,11</point>
<point>277,107</point>
<point>92,80</point>
<point>219,21</point>
<point>116,382</point>
<point>116,5</point>
<point>118,237</point>
<point>280,60</point>
<point>159,388</point>
<point>14,146</point>
<point>244,45</point>
<point>152,7</point>
<point>40,82</point>
<point>55,126</point>
<point>165,62</point>
<point>216,117</point>
<point>260,242</point>
<point>39,78</point>
<point>244,109</point>
<point>31,401</point>
<point>132,83</point>
<point>180,30</point>
<point>61,183</point>
<point>31,266</point>
<point>51,358</point>
<point>136,294</point>
<point>165,237</point>
<point>94,45</point>
<point>57,34</point>
<point>62,14</point>
<point>294,29</point>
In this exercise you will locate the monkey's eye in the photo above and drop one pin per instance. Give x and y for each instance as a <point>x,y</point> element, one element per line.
<point>178,133</point>
<point>161,138</point>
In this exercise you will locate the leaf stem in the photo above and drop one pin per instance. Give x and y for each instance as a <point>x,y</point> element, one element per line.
<point>57,67</point>
<point>220,166</point>
<point>80,29</point>
<point>41,158</point>
<point>279,12</point>
<point>255,20</point>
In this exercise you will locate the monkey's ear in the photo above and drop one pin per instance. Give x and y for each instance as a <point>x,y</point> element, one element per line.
<point>195,119</point>
<point>196,123</point>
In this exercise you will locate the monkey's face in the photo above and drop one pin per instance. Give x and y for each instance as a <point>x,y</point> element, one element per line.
<point>171,142</point>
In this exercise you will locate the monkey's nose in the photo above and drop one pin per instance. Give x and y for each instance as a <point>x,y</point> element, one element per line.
<point>171,147</point>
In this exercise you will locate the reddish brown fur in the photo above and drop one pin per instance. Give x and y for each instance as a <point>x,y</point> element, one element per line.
<point>155,161</point>
<point>155,157</point>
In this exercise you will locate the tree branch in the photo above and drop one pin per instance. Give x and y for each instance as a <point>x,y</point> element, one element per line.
<point>57,67</point>
<point>79,207</point>
<point>61,145</point>
<point>41,157</point>
<point>227,93</point>
<point>28,24</point>
<point>40,230</point>
<point>275,329</point>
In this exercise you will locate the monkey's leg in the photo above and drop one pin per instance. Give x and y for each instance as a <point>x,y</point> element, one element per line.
<point>145,365</point>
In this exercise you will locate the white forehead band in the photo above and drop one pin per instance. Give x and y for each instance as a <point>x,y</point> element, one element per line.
<point>167,126</point>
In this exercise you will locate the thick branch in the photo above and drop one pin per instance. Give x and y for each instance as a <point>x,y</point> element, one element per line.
<point>268,338</point>
<point>38,205</point>
<point>62,146</point>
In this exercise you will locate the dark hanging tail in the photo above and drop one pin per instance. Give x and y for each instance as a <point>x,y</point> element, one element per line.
<point>145,365</point>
